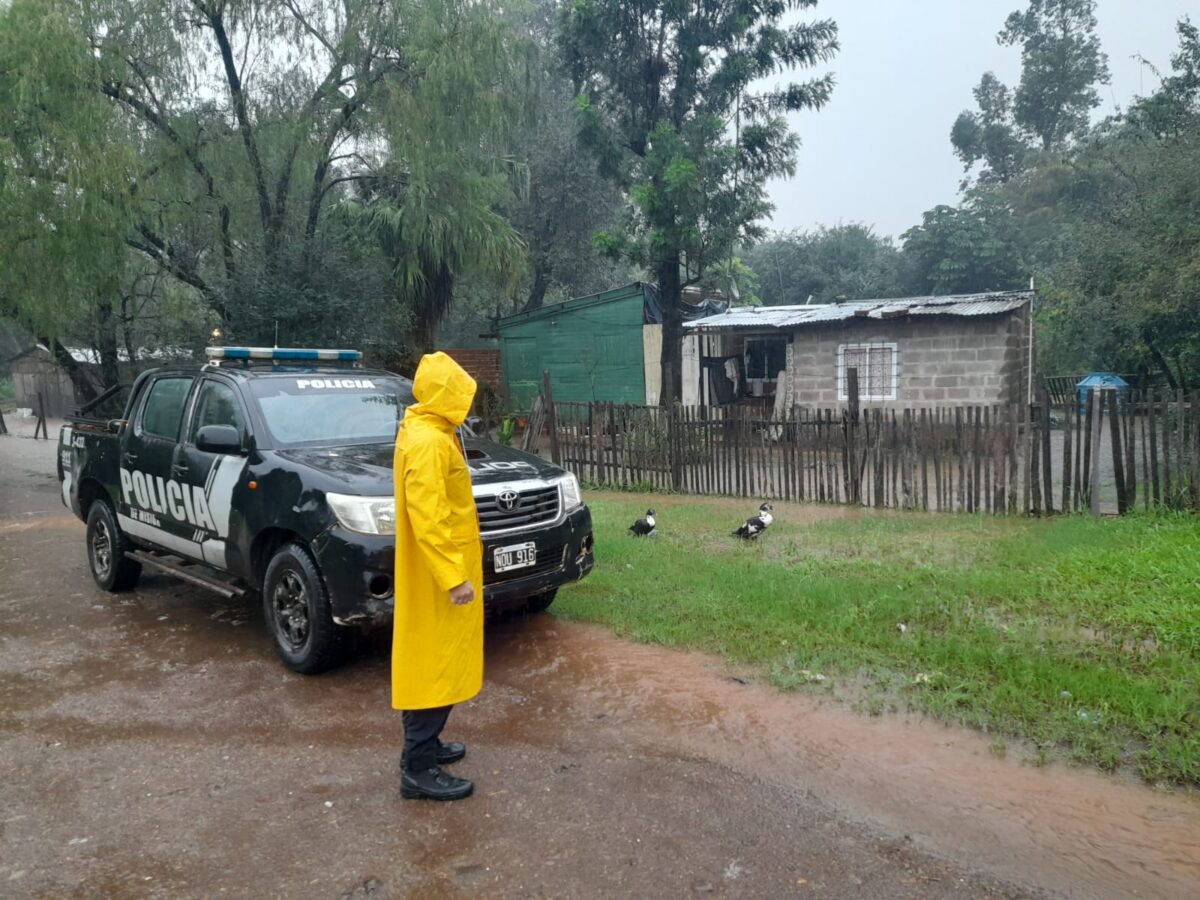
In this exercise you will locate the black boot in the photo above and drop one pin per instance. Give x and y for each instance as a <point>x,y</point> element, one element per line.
<point>446,754</point>
<point>433,784</point>
<point>450,753</point>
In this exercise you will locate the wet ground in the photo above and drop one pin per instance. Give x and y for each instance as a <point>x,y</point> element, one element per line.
<point>151,746</point>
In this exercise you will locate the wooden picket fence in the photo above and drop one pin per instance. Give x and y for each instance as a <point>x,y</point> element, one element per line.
<point>1116,452</point>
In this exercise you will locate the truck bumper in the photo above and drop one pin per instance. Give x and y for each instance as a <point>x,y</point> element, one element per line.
<point>358,568</point>
<point>565,553</point>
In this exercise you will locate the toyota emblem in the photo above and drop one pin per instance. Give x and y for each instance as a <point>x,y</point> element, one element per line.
<point>507,500</point>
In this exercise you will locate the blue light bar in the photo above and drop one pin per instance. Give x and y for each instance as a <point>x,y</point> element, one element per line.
<point>286,354</point>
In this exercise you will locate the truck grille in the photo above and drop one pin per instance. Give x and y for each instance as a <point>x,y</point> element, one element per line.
<point>550,559</point>
<point>530,507</point>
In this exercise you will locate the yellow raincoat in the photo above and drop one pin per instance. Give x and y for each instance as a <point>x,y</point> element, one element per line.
<point>437,647</point>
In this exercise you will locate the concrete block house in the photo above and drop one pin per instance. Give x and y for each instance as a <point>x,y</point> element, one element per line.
<point>910,353</point>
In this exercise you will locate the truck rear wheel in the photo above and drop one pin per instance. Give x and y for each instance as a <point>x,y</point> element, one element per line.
<point>296,607</point>
<point>106,546</point>
<point>541,602</point>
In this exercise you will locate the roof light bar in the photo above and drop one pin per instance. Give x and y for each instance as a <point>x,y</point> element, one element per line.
<point>288,354</point>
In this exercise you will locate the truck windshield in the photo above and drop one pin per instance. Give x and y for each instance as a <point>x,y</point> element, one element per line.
<point>311,410</point>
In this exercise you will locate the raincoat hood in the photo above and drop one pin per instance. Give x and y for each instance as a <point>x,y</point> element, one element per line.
<point>443,389</point>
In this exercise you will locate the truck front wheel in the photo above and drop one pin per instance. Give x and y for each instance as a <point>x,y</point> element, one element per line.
<point>106,545</point>
<point>296,607</point>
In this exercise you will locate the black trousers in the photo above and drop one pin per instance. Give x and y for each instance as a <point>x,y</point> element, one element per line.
<point>421,730</point>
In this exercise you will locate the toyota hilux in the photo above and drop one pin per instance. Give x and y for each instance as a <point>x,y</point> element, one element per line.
<point>268,471</point>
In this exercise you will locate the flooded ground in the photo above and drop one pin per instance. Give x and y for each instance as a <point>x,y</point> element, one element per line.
<point>153,747</point>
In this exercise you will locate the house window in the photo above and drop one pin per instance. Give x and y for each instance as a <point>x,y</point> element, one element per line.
<point>877,368</point>
<point>765,357</point>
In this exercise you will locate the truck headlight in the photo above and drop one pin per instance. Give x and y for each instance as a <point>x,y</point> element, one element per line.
<point>366,515</point>
<point>572,497</point>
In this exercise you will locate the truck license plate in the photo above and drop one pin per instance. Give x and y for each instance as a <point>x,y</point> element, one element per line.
<point>514,556</point>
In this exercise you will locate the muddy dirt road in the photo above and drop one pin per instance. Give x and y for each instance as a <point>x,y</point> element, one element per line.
<point>151,746</point>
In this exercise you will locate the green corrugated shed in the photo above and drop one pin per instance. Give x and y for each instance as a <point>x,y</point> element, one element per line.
<point>592,347</point>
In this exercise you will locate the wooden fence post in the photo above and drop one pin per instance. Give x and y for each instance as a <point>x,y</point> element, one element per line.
<point>1181,453</point>
<point>1146,493</point>
<point>1047,471</point>
<point>1129,446</point>
<point>1166,449</point>
<point>592,444</point>
<point>1078,468</point>
<point>1096,421</point>
<point>675,443</point>
<point>853,481</point>
<point>1084,491</point>
<point>1194,450</point>
<point>1023,440</point>
<point>613,459</point>
<point>1014,459</point>
<point>551,418</point>
<point>976,450</point>
<point>1035,462</point>
<point>923,447</point>
<point>1118,450</point>
<point>1066,469</point>
<point>906,454</point>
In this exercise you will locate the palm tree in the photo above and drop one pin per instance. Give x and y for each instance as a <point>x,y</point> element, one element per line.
<point>436,224</point>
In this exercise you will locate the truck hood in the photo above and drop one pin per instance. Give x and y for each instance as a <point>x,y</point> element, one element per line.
<point>367,468</point>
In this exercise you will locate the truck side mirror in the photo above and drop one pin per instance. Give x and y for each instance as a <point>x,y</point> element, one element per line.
<point>219,439</point>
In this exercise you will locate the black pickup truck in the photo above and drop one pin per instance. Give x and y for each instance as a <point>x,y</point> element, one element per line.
<point>269,471</point>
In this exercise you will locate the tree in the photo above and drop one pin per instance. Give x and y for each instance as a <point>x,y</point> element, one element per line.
<point>228,130</point>
<point>436,228</point>
<point>848,262</point>
<point>731,278</point>
<point>968,249</point>
<point>567,198</point>
<point>1061,64</point>
<point>667,105</point>
<point>434,206</point>
<point>990,135</point>
<point>246,114</point>
<point>1171,110</point>
<point>1132,282</point>
<point>64,165</point>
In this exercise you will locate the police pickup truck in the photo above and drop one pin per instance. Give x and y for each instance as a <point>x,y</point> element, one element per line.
<point>269,471</point>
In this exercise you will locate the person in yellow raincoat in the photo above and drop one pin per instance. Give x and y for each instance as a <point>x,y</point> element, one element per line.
<point>437,644</point>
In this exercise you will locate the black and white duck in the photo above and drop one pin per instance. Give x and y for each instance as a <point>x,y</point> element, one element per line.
<point>644,527</point>
<point>756,525</point>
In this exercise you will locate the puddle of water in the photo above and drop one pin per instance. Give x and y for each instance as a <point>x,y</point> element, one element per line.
<point>1074,831</point>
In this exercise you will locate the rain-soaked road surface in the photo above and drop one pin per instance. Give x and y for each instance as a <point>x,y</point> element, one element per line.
<point>150,746</point>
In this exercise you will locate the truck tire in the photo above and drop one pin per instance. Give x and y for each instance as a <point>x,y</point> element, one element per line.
<point>540,602</point>
<point>296,608</point>
<point>106,546</point>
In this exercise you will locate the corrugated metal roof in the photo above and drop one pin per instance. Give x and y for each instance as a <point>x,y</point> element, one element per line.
<point>787,317</point>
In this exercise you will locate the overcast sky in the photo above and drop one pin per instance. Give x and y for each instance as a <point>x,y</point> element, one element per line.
<point>880,152</point>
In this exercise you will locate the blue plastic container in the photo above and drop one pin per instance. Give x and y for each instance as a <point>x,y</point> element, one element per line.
<point>1101,380</point>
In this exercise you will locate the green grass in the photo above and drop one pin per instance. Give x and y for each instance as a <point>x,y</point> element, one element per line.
<point>1081,636</point>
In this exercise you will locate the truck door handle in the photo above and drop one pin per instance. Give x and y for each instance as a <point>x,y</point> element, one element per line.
<point>130,458</point>
<point>179,470</point>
